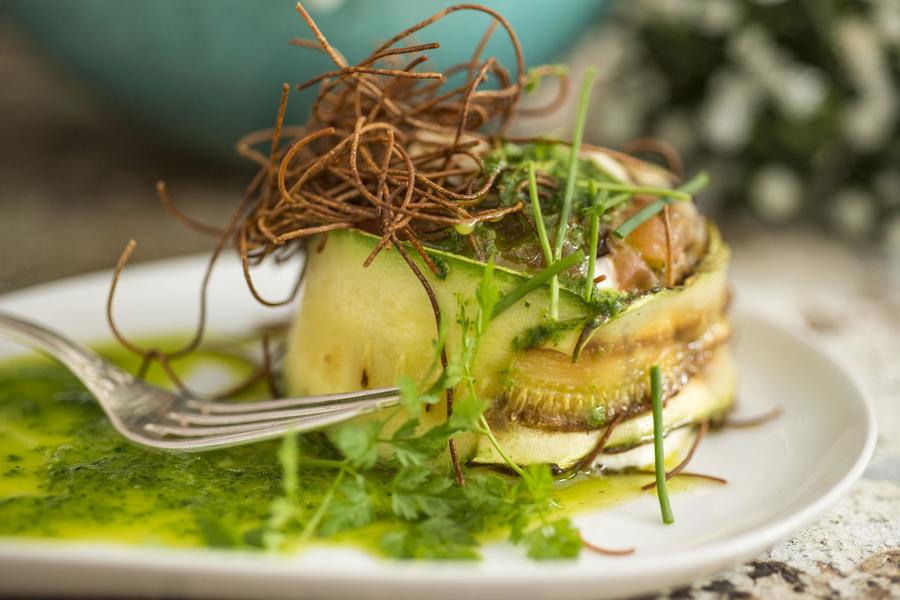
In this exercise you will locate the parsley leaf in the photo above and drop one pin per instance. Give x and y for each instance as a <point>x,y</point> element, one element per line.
<point>555,540</point>
<point>358,442</point>
<point>351,508</point>
<point>467,412</point>
<point>411,448</point>
<point>411,399</point>
<point>417,492</point>
<point>434,538</point>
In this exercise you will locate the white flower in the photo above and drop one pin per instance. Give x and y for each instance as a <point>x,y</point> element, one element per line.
<point>797,89</point>
<point>852,212</point>
<point>887,185</point>
<point>776,192</point>
<point>869,118</point>
<point>887,20</point>
<point>892,237</point>
<point>730,110</point>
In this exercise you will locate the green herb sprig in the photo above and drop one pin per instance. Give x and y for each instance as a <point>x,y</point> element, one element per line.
<point>430,516</point>
<point>538,216</point>
<point>571,178</point>
<point>659,461</point>
<point>598,205</point>
<point>525,288</point>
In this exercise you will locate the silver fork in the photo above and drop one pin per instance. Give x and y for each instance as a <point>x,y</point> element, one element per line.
<point>153,417</point>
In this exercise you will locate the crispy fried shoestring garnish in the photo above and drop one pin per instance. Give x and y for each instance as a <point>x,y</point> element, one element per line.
<point>701,431</point>
<point>605,551</point>
<point>691,474</point>
<point>389,149</point>
<point>588,461</point>
<point>660,147</point>
<point>753,421</point>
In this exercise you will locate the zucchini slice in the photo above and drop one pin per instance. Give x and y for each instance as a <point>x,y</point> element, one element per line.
<point>364,327</point>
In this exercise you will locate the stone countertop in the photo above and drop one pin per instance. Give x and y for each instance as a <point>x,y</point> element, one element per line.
<point>849,303</point>
<point>77,182</point>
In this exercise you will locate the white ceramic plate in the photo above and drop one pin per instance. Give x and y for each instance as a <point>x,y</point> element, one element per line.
<point>781,475</point>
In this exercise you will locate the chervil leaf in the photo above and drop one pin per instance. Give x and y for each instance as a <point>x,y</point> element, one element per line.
<point>411,449</point>
<point>287,458</point>
<point>358,442</point>
<point>555,540</point>
<point>416,492</point>
<point>532,496</point>
<point>399,543</point>
<point>539,484</point>
<point>448,378</point>
<point>351,508</point>
<point>412,399</point>
<point>467,411</point>
<point>434,538</point>
<point>487,494</point>
<point>215,533</point>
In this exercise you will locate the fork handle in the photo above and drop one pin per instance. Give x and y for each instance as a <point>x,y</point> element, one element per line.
<point>77,357</point>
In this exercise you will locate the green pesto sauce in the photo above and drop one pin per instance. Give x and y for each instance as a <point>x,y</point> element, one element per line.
<point>66,474</point>
<point>547,332</point>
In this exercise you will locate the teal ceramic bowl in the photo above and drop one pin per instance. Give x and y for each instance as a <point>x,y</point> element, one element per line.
<point>200,73</point>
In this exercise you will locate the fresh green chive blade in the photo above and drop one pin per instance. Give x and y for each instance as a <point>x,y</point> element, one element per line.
<point>642,190</point>
<point>695,183</point>
<point>538,215</point>
<point>535,282</point>
<point>572,169</point>
<point>616,200</point>
<point>659,461</point>
<point>638,218</point>
<point>598,202</point>
<point>572,174</point>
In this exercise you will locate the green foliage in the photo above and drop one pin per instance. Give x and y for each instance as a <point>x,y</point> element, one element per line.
<point>434,538</point>
<point>358,442</point>
<point>351,508</point>
<point>430,515</point>
<point>555,540</point>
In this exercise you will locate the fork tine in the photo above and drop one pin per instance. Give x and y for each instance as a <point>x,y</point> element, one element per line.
<point>203,432</point>
<point>217,407</point>
<point>186,418</point>
<point>203,426</point>
<point>257,432</point>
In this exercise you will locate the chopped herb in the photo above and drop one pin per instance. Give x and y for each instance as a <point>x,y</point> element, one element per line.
<point>659,461</point>
<point>546,330</point>
<point>597,416</point>
<point>609,302</point>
